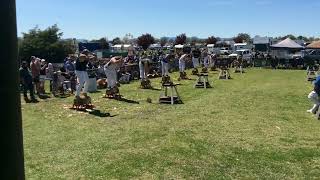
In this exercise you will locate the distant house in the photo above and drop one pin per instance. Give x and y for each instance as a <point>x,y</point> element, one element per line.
<point>261,44</point>
<point>286,49</point>
<point>314,45</point>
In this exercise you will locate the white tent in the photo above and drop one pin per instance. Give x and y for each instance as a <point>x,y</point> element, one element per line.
<point>286,49</point>
<point>155,46</point>
<point>179,46</point>
<point>287,43</point>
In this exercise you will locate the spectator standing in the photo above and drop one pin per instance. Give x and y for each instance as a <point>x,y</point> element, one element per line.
<point>26,82</point>
<point>35,71</point>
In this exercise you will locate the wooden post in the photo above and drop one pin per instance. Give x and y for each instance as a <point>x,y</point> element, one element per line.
<point>11,124</point>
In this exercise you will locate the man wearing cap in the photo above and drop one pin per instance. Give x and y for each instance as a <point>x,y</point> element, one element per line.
<point>82,75</point>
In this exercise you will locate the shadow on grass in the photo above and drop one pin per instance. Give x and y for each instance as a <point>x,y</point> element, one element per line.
<point>44,96</point>
<point>95,112</point>
<point>122,99</point>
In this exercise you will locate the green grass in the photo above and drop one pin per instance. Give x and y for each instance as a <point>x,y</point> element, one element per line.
<point>253,126</point>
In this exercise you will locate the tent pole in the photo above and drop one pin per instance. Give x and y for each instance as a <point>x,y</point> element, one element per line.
<point>10,111</point>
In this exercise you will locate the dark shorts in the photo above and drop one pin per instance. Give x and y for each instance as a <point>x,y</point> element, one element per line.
<point>36,79</point>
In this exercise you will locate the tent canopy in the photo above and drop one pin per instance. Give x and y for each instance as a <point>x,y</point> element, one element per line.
<point>287,43</point>
<point>314,45</point>
<point>179,46</point>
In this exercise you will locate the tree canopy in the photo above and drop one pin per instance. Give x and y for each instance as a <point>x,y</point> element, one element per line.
<point>46,44</point>
<point>181,39</point>
<point>211,40</point>
<point>242,37</point>
<point>145,41</point>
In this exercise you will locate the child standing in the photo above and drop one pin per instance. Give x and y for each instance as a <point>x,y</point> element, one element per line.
<point>314,96</point>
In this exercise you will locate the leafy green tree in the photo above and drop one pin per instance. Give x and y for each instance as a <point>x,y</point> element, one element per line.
<point>46,44</point>
<point>211,40</point>
<point>116,40</point>
<point>145,41</point>
<point>242,37</point>
<point>181,39</point>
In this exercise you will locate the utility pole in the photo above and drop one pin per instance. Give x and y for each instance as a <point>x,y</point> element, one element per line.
<point>10,109</point>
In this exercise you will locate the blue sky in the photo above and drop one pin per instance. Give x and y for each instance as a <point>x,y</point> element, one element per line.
<point>90,19</point>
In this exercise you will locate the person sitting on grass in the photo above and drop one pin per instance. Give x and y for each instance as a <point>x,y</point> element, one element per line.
<point>314,96</point>
<point>26,82</point>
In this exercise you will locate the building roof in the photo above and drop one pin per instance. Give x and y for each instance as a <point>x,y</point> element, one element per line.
<point>261,40</point>
<point>287,43</point>
<point>314,45</point>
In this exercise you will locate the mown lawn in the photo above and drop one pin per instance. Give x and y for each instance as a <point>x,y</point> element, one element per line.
<point>253,126</point>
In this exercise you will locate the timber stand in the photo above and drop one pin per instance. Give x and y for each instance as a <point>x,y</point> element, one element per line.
<point>82,103</point>
<point>113,93</point>
<point>166,80</point>
<point>202,81</point>
<point>238,69</point>
<point>195,71</point>
<point>224,74</point>
<point>145,84</point>
<point>183,76</point>
<point>174,97</point>
<point>204,70</point>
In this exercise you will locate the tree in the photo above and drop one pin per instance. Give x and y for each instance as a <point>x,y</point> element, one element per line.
<point>211,40</point>
<point>103,43</point>
<point>163,41</point>
<point>242,37</point>
<point>289,36</point>
<point>46,44</point>
<point>181,39</point>
<point>145,41</point>
<point>116,40</point>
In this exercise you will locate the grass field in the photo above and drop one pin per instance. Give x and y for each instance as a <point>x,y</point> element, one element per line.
<point>253,126</point>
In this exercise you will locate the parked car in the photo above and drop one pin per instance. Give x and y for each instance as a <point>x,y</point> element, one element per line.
<point>225,50</point>
<point>244,53</point>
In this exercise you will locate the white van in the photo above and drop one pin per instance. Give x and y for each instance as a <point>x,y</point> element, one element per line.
<point>245,53</point>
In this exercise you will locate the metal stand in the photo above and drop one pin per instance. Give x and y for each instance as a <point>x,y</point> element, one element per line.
<point>174,97</point>
<point>202,81</point>
<point>224,74</point>
<point>145,84</point>
<point>238,69</point>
